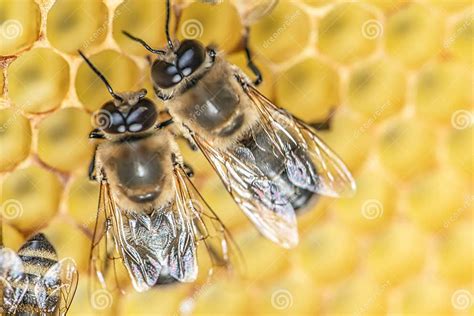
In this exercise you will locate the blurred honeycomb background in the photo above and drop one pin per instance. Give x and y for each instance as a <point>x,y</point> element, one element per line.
<point>396,77</point>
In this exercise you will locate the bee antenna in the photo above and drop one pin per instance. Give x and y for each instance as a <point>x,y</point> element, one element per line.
<point>144,44</point>
<point>101,76</point>
<point>167,25</point>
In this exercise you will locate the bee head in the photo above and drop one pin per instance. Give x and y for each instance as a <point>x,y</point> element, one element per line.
<point>183,62</point>
<point>132,113</point>
<point>128,112</point>
<point>176,64</point>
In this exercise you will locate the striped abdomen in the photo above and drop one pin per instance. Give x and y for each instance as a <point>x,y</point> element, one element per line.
<point>38,256</point>
<point>272,164</point>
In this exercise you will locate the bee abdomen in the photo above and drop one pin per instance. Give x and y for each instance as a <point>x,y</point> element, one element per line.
<point>28,304</point>
<point>272,164</point>
<point>30,300</point>
<point>37,261</point>
<point>38,256</point>
<point>38,246</point>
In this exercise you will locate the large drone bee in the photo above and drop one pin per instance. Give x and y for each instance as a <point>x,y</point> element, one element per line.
<point>149,210</point>
<point>34,282</point>
<point>271,162</point>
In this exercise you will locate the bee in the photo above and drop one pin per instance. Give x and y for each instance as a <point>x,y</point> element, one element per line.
<point>34,281</point>
<point>271,162</point>
<point>149,210</point>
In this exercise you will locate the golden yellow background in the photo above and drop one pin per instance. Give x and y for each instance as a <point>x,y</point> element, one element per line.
<point>398,78</point>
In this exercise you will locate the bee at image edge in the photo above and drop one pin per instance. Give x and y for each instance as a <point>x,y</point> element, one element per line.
<point>34,282</point>
<point>271,163</point>
<point>149,210</point>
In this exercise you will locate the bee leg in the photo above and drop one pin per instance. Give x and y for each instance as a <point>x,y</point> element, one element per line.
<point>324,125</point>
<point>191,144</point>
<point>256,71</point>
<point>92,175</point>
<point>321,125</point>
<point>149,60</point>
<point>185,133</point>
<point>189,141</point>
<point>188,169</point>
<point>164,124</point>
<point>96,134</point>
<point>178,160</point>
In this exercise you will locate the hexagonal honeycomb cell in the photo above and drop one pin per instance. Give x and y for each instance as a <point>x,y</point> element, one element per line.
<point>30,197</point>
<point>348,32</point>
<point>400,152</point>
<point>20,26</point>
<point>350,136</point>
<point>424,297</point>
<point>455,251</point>
<point>66,128</point>
<point>374,202</point>
<point>62,233</point>
<point>458,140</point>
<point>459,38</point>
<point>405,27</point>
<point>90,89</point>
<point>397,253</point>
<point>442,89</point>
<point>277,37</point>
<point>377,88</point>
<point>309,89</point>
<point>361,294</point>
<point>329,253</point>
<point>74,24</point>
<point>222,297</point>
<point>82,198</point>
<point>12,238</point>
<point>38,80</point>
<point>288,295</point>
<point>392,80</point>
<point>218,25</point>
<point>432,214</point>
<point>15,138</point>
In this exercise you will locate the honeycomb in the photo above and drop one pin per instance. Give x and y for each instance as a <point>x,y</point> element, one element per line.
<point>396,78</point>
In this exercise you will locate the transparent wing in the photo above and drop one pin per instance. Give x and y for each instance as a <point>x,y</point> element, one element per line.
<point>142,265</point>
<point>149,245</point>
<point>13,280</point>
<point>162,244</point>
<point>103,252</point>
<point>256,194</point>
<point>324,172</point>
<point>208,228</point>
<point>56,289</point>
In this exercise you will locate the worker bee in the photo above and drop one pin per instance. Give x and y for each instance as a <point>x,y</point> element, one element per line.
<point>34,282</point>
<point>271,162</point>
<point>149,210</point>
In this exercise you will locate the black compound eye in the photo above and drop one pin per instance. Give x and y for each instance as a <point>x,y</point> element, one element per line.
<point>109,119</point>
<point>164,74</point>
<point>190,55</point>
<point>141,116</point>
